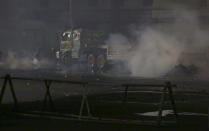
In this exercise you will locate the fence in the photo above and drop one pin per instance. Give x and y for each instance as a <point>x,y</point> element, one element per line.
<point>8,79</point>
<point>166,87</point>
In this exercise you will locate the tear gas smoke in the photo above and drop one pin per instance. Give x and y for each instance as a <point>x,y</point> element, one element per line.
<point>158,48</point>
<point>13,61</point>
<point>155,55</point>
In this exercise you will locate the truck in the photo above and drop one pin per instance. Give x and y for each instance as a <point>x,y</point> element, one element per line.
<point>86,51</point>
<point>83,50</point>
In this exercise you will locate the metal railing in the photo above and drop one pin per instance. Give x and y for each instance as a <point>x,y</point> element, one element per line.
<point>167,88</point>
<point>48,82</point>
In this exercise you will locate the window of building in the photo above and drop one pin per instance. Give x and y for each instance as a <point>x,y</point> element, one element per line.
<point>31,15</point>
<point>129,3</point>
<point>203,3</point>
<point>44,3</point>
<point>121,3</point>
<point>92,2</point>
<point>147,2</point>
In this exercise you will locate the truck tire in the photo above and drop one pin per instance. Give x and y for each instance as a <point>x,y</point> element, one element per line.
<point>100,63</point>
<point>91,63</point>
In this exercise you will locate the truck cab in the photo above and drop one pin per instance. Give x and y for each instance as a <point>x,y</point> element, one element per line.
<point>83,47</point>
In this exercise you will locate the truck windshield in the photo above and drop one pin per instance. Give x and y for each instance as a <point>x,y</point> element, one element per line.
<point>66,37</point>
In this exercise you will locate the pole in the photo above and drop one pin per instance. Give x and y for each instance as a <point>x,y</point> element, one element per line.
<point>172,100</point>
<point>126,94</point>
<point>71,13</point>
<point>3,88</point>
<point>159,119</point>
<point>13,93</point>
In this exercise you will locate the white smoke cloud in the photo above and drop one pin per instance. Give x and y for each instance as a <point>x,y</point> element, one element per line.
<point>118,43</point>
<point>156,54</point>
<point>157,49</point>
<point>13,61</point>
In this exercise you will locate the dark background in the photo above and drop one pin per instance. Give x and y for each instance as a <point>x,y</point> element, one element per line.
<point>32,25</point>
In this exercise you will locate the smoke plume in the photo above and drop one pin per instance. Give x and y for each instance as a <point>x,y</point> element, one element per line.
<point>25,62</point>
<point>156,49</point>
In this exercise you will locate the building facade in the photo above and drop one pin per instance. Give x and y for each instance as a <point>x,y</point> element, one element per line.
<point>35,24</point>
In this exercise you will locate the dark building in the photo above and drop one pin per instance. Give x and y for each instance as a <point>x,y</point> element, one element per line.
<point>35,24</point>
<point>111,15</point>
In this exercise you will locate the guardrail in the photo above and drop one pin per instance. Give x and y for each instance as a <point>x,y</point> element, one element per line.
<point>48,82</point>
<point>167,88</point>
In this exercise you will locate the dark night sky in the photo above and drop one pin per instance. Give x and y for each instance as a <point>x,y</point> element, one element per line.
<point>33,24</point>
<point>29,25</point>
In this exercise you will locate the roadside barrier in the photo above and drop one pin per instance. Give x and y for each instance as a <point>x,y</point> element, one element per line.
<point>167,89</point>
<point>47,98</point>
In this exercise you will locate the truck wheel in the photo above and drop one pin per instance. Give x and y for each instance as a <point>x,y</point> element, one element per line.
<point>100,63</point>
<point>91,63</point>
